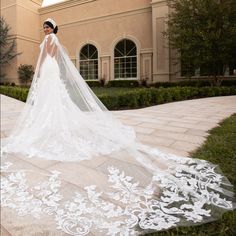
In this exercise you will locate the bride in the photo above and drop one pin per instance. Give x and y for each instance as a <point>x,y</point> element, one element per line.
<point>69,167</point>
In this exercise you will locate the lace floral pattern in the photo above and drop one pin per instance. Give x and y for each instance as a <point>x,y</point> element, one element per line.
<point>127,208</point>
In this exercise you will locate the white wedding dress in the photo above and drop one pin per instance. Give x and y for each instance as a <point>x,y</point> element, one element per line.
<point>92,176</point>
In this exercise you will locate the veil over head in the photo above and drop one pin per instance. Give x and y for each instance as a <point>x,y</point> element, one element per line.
<point>51,21</point>
<point>52,24</point>
<point>69,167</point>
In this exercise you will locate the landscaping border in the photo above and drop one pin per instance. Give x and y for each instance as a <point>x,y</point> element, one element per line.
<point>140,97</point>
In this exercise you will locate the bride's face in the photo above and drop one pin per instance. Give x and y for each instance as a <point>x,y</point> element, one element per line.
<point>47,29</point>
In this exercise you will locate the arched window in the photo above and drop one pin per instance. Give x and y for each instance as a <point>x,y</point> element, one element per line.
<point>125,59</point>
<point>89,62</point>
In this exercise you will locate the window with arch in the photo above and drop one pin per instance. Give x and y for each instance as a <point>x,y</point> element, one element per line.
<point>89,62</point>
<point>125,59</point>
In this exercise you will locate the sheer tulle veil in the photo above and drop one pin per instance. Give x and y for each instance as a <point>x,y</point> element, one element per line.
<point>71,168</point>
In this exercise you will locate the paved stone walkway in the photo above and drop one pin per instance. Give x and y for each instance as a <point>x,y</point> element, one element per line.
<point>178,128</point>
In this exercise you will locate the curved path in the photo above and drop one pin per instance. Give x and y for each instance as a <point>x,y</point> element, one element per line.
<point>178,127</point>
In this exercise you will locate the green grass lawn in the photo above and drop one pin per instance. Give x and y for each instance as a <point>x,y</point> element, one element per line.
<point>220,148</point>
<point>112,90</point>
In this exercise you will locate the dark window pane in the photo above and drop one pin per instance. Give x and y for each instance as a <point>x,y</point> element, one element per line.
<point>89,62</point>
<point>84,51</point>
<point>118,53</point>
<point>121,46</point>
<point>129,44</point>
<point>83,57</point>
<point>132,52</point>
<point>125,62</point>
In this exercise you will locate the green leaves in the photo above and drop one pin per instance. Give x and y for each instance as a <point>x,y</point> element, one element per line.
<point>126,98</point>
<point>25,72</point>
<point>7,45</point>
<point>204,33</point>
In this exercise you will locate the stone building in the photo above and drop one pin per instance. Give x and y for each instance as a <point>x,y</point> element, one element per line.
<point>107,39</point>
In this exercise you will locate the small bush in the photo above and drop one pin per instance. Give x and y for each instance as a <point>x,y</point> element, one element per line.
<point>93,83</point>
<point>25,73</point>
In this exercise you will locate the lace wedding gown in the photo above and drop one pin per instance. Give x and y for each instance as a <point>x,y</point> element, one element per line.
<point>70,168</point>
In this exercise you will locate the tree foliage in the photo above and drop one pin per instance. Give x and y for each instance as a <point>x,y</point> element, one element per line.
<point>204,34</point>
<point>7,45</point>
<point>25,73</point>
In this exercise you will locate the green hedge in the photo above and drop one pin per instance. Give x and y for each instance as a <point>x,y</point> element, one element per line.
<point>127,83</point>
<point>15,92</point>
<point>114,83</point>
<point>141,97</point>
<point>137,98</point>
<point>193,83</point>
<point>183,83</point>
<point>93,83</point>
<point>123,83</point>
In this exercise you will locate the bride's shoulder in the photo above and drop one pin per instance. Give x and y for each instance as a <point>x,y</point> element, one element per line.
<point>52,36</point>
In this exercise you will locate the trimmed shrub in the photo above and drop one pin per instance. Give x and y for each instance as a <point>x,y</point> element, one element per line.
<point>140,97</point>
<point>123,83</point>
<point>25,73</point>
<point>15,92</point>
<point>93,83</point>
<point>193,83</point>
<point>114,83</point>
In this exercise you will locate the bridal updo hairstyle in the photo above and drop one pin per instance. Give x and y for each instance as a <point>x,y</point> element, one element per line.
<point>51,26</point>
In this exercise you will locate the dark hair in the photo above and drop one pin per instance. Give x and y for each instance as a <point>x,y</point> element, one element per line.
<point>51,26</point>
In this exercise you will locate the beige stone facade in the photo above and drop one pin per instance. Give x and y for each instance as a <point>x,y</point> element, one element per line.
<point>124,38</point>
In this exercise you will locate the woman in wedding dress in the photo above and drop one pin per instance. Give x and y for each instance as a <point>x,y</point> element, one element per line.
<point>70,168</point>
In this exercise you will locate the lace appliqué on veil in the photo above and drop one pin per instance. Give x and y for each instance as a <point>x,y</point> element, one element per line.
<point>126,208</point>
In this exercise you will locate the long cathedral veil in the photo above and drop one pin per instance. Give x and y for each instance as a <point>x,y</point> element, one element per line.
<point>76,169</point>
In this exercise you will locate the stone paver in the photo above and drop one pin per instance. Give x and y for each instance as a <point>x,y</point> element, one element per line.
<point>181,127</point>
<point>178,128</point>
